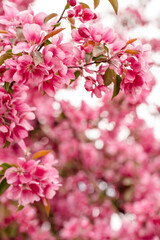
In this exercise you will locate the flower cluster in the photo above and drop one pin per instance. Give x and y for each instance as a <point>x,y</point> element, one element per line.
<point>31,181</point>
<point>119,62</point>
<point>108,158</point>
<point>15,115</point>
<point>83,14</point>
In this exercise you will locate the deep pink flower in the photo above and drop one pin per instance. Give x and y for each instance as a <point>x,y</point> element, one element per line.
<point>87,14</point>
<point>83,32</point>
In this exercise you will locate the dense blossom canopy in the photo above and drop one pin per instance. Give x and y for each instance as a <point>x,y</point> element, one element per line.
<point>69,172</point>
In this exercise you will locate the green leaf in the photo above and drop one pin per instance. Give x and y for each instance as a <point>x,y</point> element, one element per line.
<point>5,165</point>
<point>67,6</point>
<point>47,42</point>
<point>96,3</point>
<point>109,76</point>
<point>114,4</point>
<point>3,186</point>
<point>7,144</point>
<point>20,208</point>
<point>77,74</point>
<point>117,84</point>
<point>100,58</point>
<point>56,25</point>
<point>9,51</point>
<point>6,86</point>
<point>106,48</point>
<point>84,5</point>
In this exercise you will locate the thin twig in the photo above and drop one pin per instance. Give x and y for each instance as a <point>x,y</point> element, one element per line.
<point>42,44</point>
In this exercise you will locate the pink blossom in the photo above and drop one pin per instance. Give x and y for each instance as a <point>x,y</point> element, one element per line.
<point>15,115</point>
<point>77,9</point>
<point>87,14</point>
<point>83,32</point>
<point>30,181</point>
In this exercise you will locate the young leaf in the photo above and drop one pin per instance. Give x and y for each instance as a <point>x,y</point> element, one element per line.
<point>84,5</point>
<point>117,84</point>
<point>67,6</point>
<point>41,153</point>
<point>50,16</point>
<point>3,186</point>
<point>131,41</point>
<point>109,76</point>
<point>96,3</point>
<point>56,25</point>
<point>114,4</point>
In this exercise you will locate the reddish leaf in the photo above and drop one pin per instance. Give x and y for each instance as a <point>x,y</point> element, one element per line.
<point>72,22</point>
<point>114,4</point>
<point>132,51</point>
<point>84,5</point>
<point>47,207</point>
<point>51,34</point>
<point>41,153</point>
<point>96,3</point>
<point>131,41</point>
<point>3,31</point>
<point>50,16</point>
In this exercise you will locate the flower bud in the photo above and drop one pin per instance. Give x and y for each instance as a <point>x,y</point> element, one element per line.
<point>84,32</point>
<point>70,13</point>
<point>72,2</point>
